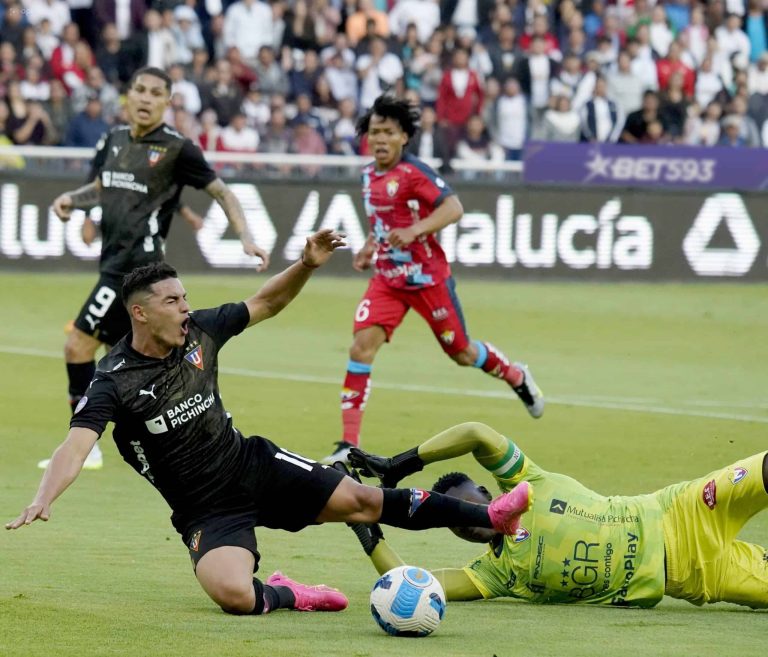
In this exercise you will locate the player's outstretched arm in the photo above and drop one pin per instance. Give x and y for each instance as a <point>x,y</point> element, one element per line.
<point>282,288</point>
<point>484,443</point>
<point>65,465</point>
<point>226,198</point>
<point>84,198</point>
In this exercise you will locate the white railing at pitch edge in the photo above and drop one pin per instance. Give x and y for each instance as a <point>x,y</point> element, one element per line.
<point>289,159</point>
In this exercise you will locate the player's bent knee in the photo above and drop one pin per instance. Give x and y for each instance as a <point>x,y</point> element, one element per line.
<point>233,597</point>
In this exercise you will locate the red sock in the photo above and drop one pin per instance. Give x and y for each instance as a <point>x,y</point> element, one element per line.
<point>498,365</point>
<point>354,395</point>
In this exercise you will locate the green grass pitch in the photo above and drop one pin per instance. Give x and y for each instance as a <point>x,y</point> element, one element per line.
<point>647,385</point>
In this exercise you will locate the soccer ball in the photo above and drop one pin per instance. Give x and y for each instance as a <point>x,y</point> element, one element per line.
<point>407,601</point>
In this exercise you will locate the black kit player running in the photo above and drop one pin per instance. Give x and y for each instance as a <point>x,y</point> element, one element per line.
<point>137,177</point>
<point>159,386</point>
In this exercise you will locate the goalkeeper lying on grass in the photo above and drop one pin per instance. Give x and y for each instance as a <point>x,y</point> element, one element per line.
<point>575,545</point>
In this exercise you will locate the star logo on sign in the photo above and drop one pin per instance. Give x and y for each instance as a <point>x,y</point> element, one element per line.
<point>598,167</point>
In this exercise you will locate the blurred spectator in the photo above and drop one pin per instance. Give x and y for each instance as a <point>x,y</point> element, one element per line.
<point>749,130</point>
<point>356,27</point>
<point>56,11</point>
<point>256,109</point>
<point>187,33</point>
<point>271,79</point>
<point>28,122</point>
<point>71,59</point>
<point>185,124</point>
<point>708,83</point>
<point>476,145</point>
<point>197,70</point>
<point>536,73</point>
<point>731,39</point>
<point>10,68</point>
<point>126,15</point>
<point>222,95</point>
<point>29,47</point>
<point>277,135</point>
<point>540,30</point>
<point>511,119</point>
<point>304,74</point>
<point>238,137</point>
<point>697,34</point>
<point>623,87</point>
<point>88,126</point>
<point>45,39</point>
<point>758,77</point>
<point>601,118</point>
<point>429,142</point>
<point>155,45</point>
<point>363,46</point>
<point>186,89</point>
<point>660,33</point>
<point>704,129</point>
<point>423,14</point>
<point>305,140</point>
<point>300,28</point>
<point>340,77</point>
<point>561,121</point>
<point>655,134</point>
<point>33,87</point>
<point>114,60</point>
<point>12,28</point>
<point>671,64</point>
<point>59,108</point>
<point>248,25</point>
<point>636,126</point>
<point>756,27</point>
<point>242,73</point>
<point>210,131</point>
<point>566,81</point>
<point>732,132</point>
<point>427,68</point>
<point>327,19</point>
<point>343,130</point>
<point>673,106</point>
<point>96,85</point>
<point>81,12</point>
<point>505,55</point>
<point>378,71</point>
<point>306,113</point>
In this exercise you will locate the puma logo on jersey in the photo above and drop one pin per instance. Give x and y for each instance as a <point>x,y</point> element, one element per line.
<point>150,392</point>
<point>119,365</point>
<point>115,150</point>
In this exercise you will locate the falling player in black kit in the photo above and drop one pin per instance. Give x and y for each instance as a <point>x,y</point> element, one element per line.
<point>159,386</point>
<point>137,176</point>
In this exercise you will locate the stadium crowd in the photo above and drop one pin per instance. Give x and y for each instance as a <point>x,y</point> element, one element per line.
<point>292,76</point>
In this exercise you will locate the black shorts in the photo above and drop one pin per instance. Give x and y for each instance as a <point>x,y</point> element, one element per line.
<point>278,489</point>
<point>103,315</point>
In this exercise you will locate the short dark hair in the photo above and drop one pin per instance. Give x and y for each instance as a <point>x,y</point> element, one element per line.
<point>143,278</point>
<point>450,480</point>
<point>389,107</point>
<point>155,72</point>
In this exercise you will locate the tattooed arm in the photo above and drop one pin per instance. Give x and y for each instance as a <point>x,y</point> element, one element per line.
<point>224,196</point>
<point>83,198</point>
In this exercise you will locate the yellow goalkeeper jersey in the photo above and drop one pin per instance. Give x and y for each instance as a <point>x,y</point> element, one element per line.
<point>574,545</point>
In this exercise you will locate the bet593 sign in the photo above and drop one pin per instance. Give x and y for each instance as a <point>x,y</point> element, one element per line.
<point>525,232</point>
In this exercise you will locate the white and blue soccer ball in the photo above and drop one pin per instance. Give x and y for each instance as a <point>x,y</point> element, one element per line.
<point>407,601</point>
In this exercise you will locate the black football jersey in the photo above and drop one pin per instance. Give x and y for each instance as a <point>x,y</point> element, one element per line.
<point>141,181</point>
<point>170,423</point>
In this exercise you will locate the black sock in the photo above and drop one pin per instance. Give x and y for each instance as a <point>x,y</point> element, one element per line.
<point>414,508</point>
<point>80,376</point>
<point>270,598</point>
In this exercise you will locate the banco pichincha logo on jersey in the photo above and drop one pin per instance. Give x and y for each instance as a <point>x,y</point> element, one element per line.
<point>181,413</point>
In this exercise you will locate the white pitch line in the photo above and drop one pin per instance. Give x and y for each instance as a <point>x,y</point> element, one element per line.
<point>638,405</point>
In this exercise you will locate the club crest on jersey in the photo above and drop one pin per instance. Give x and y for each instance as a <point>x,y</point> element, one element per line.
<point>196,357</point>
<point>194,542</point>
<point>155,154</point>
<point>418,497</point>
<point>521,534</point>
<point>737,475</point>
<point>709,494</point>
<point>447,337</point>
<point>392,187</point>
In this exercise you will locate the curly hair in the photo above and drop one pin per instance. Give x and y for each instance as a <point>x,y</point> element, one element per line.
<point>401,111</point>
<point>449,480</point>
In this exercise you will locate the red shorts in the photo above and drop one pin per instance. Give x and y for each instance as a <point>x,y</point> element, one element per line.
<point>386,306</point>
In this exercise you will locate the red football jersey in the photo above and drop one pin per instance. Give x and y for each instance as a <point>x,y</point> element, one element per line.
<point>397,199</point>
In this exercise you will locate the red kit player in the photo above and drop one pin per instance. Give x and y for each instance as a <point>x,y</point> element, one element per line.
<point>407,203</point>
